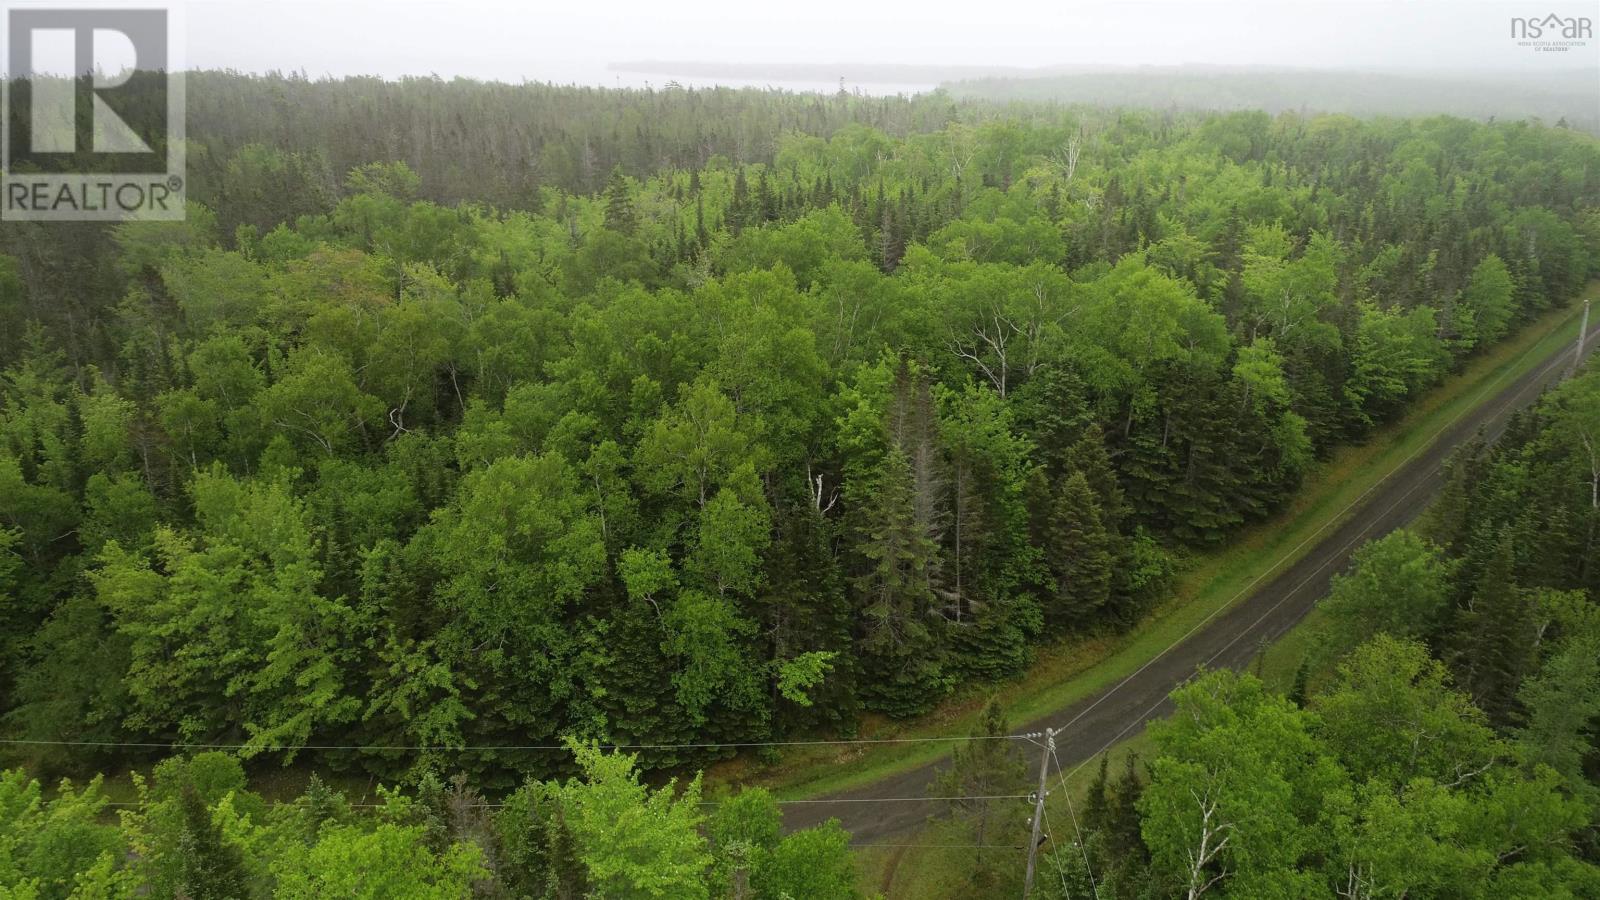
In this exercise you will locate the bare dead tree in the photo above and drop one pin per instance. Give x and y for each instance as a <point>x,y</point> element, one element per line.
<point>960,157</point>
<point>990,345</point>
<point>1065,159</point>
<point>1215,835</point>
<point>995,334</point>
<point>817,492</point>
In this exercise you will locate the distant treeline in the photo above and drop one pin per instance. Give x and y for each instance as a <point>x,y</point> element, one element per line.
<point>1572,97</point>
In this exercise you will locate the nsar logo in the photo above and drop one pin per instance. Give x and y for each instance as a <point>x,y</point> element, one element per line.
<point>1552,26</point>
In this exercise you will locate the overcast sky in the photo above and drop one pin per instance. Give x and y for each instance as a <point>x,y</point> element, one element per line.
<point>574,41</point>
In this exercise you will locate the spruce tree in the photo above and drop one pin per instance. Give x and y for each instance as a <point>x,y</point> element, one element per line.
<point>211,868</point>
<point>805,609</point>
<point>1302,681</point>
<point>986,766</point>
<point>1447,520</point>
<point>766,204</point>
<point>1126,838</point>
<point>903,665</point>
<point>702,239</point>
<point>1097,809</point>
<point>1088,455</point>
<point>566,877</point>
<point>1078,552</point>
<point>739,210</point>
<point>322,804</point>
<point>1495,635</point>
<point>620,216</point>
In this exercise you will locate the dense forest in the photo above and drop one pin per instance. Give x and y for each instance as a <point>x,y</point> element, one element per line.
<point>1566,95</point>
<point>460,422</point>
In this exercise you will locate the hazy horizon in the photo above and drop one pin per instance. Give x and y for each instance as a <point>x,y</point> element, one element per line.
<point>606,44</point>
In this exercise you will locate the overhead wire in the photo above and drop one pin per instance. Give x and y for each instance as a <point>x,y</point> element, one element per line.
<point>378,748</point>
<point>1077,833</point>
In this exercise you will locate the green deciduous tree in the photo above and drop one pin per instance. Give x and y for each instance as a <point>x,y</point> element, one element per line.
<point>1391,716</point>
<point>1236,771</point>
<point>229,625</point>
<point>387,861</point>
<point>1397,585</point>
<point>635,842</point>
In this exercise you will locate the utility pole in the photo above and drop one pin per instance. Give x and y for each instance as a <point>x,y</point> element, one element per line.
<point>1038,809</point>
<point>1583,332</point>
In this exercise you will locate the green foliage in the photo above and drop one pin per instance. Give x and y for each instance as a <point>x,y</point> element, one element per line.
<point>538,853</point>
<point>1237,774</point>
<point>1391,716</point>
<point>635,842</point>
<point>682,433</point>
<point>1562,702</point>
<point>1077,547</point>
<point>231,618</point>
<point>1472,776</point>
<point>1397,585</point>
<point>798,675</point>
<point>45,844</point>
<point>810,864</point>
<point>899,593</point>
<point>388,861</point>
<point>196,831</point>
<point>211,867</point>
<point>987,766</point>
<point>1392,785</point>
<point>1395,356</point>
<point>1489,300</point>
<point>753,860</point>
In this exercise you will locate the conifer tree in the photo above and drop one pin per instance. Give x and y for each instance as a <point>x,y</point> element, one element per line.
<point>986,766</point>
<point>1088,455</point>
<point>1449,517</point>
<point>211,867</point>
<point>1078,553</point>
<point>1302,681</point>
<point>766,203</point>
<point>1097,807</point>
<point>620,216</point>
<point>1494,635</point>
<point>565,878</point>
<point>739,210</point>
<point>702,239</point>
<point>897,595</point>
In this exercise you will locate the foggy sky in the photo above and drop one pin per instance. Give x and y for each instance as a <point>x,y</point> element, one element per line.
<point>574,41</point>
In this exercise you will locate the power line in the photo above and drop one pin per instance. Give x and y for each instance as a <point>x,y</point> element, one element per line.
<point>203,745</point>
<point>942,846</point>
<point>1055,856</point>
<point>906,799</point>
<point>1077,834</point>
<point>720,802</point>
